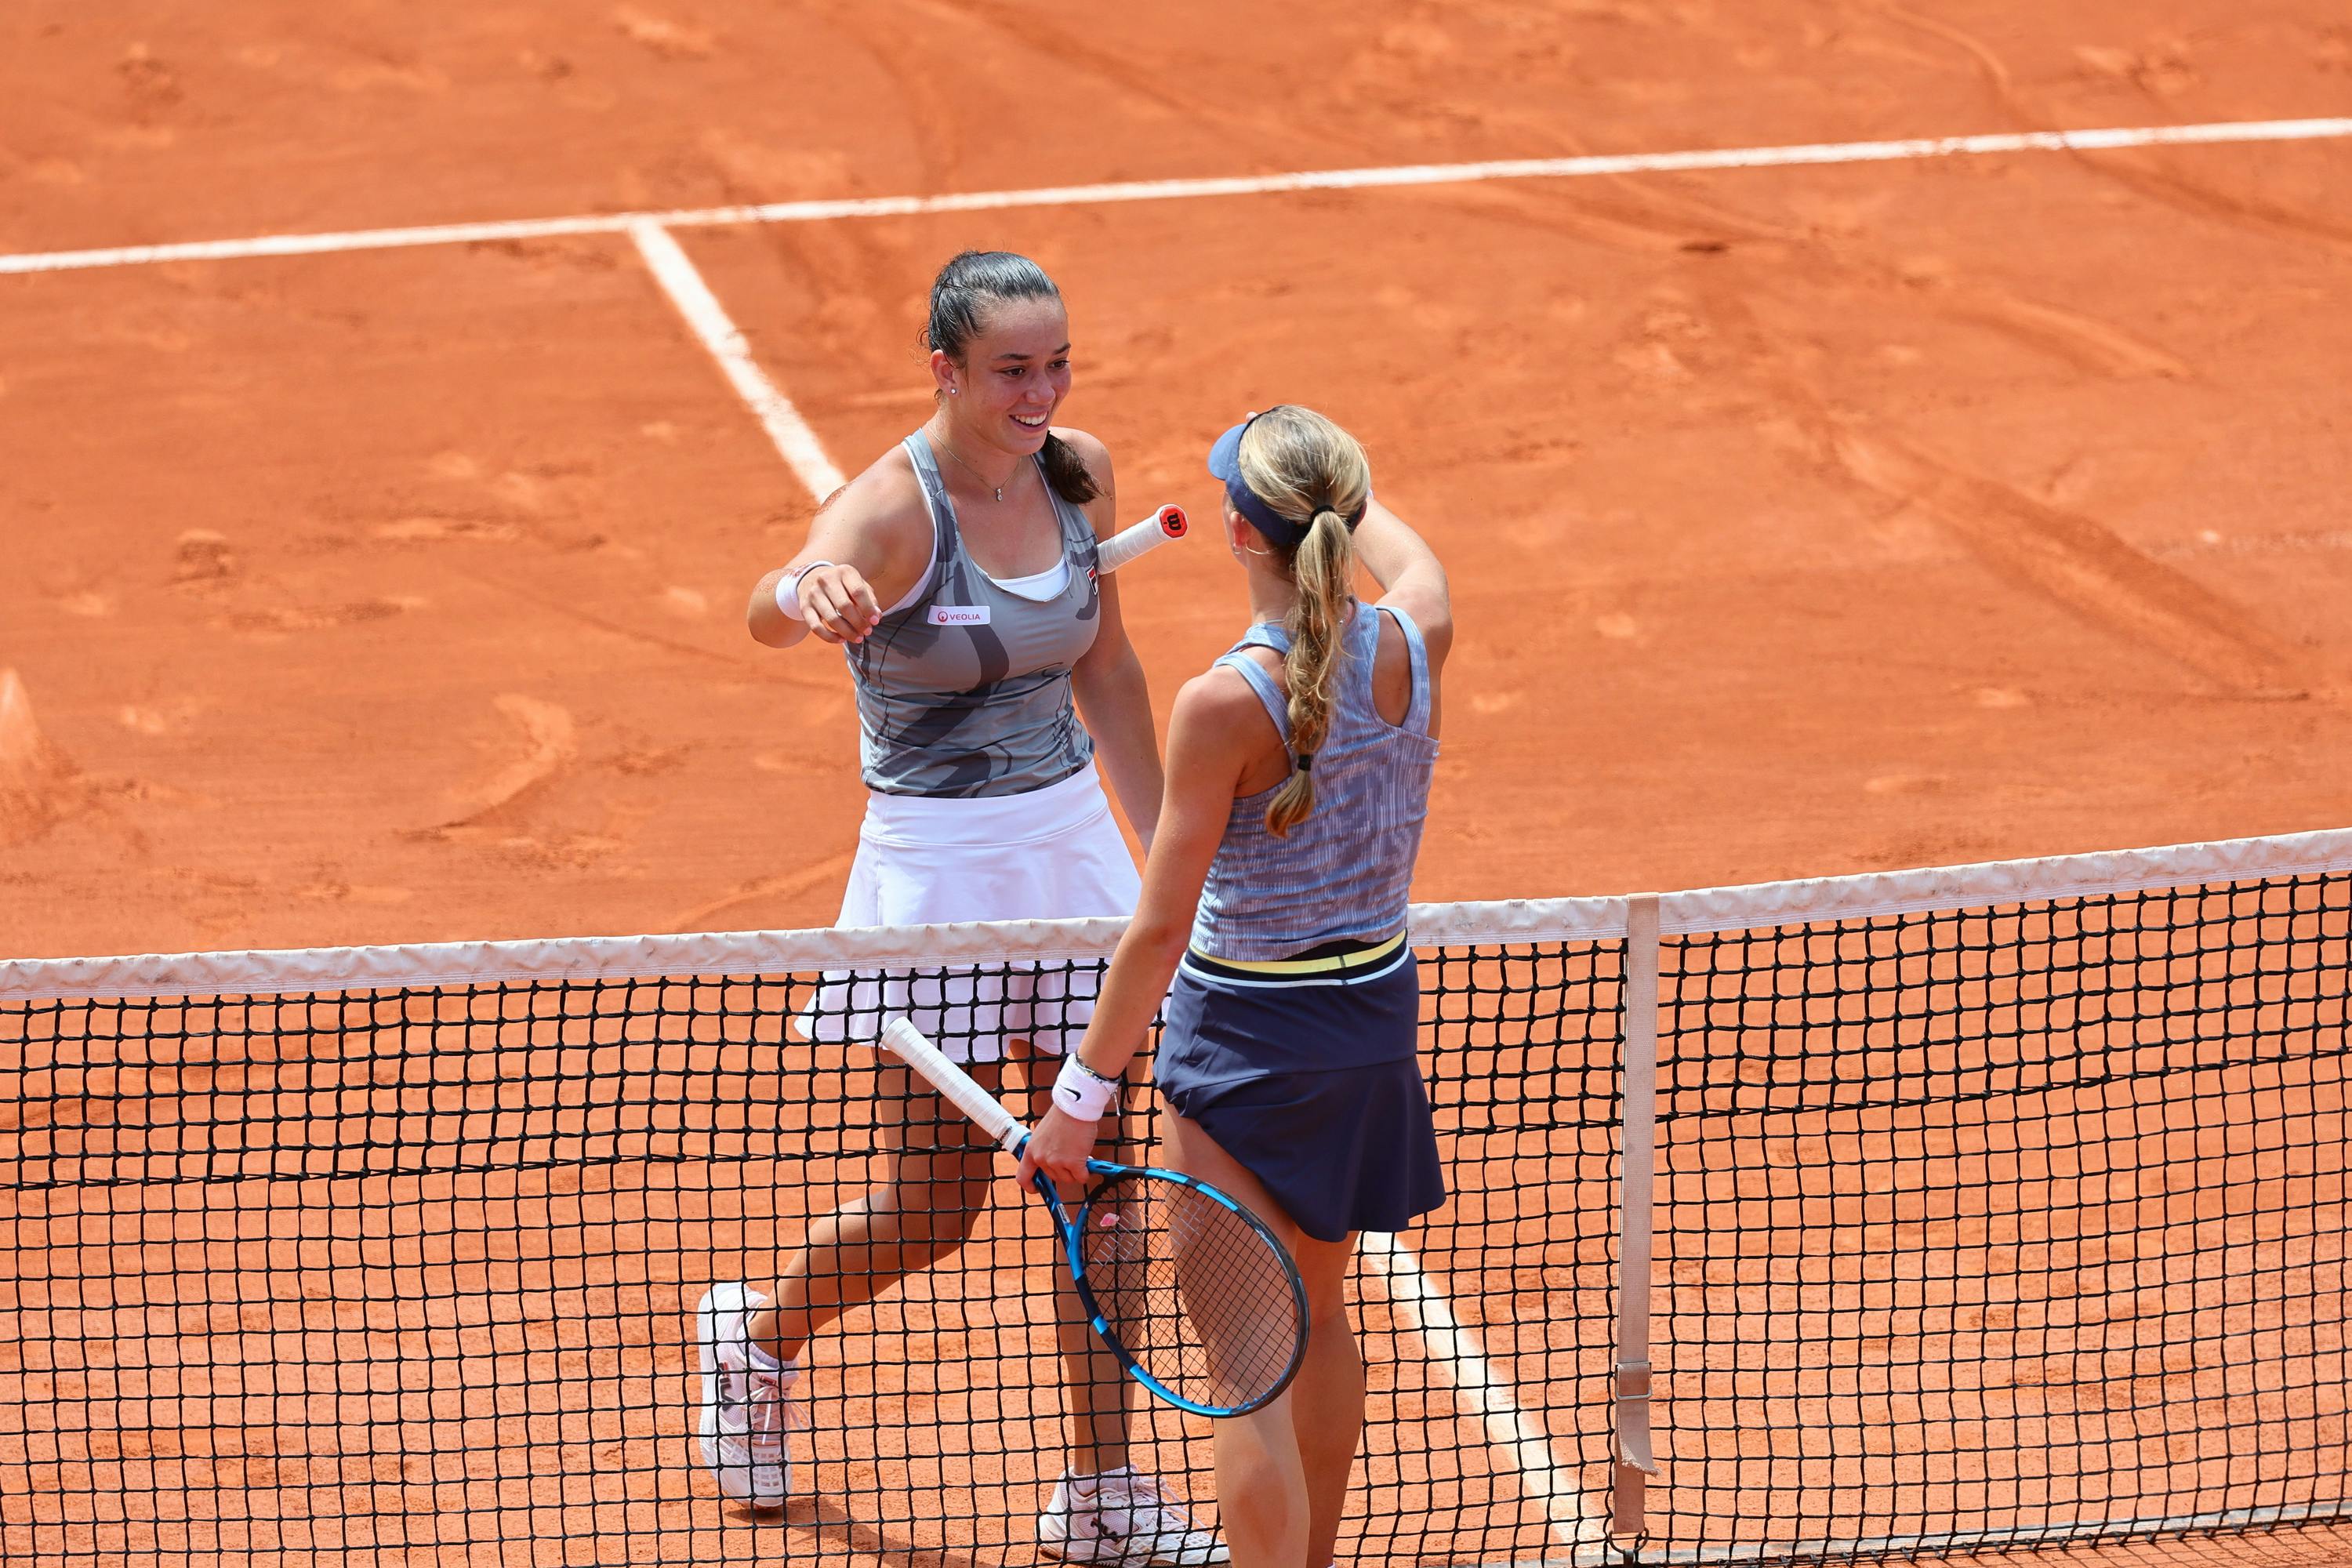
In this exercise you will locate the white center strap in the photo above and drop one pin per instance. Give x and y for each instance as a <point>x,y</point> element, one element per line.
<point>1638,1153</point>
<point>1081,1094</point>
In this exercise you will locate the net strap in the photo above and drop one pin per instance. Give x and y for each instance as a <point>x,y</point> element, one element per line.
<point>1638,1144</point>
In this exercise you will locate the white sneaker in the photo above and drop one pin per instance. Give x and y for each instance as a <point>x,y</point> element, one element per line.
<point>1119,1517</point>
<point>746,1408</point>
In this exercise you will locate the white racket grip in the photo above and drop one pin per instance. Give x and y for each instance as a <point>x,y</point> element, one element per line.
<point>986,1112</point>
<point>1167,523</point>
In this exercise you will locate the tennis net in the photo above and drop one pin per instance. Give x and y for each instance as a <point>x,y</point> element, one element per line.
<point>1992,1206</point>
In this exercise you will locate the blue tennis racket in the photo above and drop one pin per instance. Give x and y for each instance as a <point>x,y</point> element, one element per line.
<point>1189,1290</point>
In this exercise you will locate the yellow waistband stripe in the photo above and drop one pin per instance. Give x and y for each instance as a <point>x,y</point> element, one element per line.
<point>1362,960</point>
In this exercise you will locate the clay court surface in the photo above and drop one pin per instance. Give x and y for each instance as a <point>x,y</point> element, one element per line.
<point>1801,520</point>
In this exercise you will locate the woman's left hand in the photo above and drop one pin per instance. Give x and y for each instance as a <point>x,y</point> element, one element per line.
<point>1059,1146</point>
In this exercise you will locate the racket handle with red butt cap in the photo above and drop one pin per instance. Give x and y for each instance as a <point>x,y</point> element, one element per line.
<point>1153,532</point>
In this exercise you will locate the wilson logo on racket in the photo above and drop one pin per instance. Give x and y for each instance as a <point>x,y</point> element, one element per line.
<point>1169,522</point>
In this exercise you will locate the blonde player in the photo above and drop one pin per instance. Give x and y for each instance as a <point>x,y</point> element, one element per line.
<point>960,575</point>
<point>1299,773</point>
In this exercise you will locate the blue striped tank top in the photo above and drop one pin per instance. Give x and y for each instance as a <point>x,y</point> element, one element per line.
<point>1346,872</point>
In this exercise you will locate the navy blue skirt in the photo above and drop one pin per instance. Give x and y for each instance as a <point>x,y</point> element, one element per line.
<point>1313,1083</point>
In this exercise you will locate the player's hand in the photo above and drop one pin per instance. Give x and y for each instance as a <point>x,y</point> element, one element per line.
<point>1060,1146</point>
<point>837,604</point>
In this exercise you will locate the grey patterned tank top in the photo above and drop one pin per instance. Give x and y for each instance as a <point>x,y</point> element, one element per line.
<point>966,692</point>
<point>1346,872</point>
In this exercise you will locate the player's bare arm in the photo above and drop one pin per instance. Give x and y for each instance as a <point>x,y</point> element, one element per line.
<point>1217,732</point>
<point>867,547</point>
<point>1413,580</point>
<point>1108,681</point>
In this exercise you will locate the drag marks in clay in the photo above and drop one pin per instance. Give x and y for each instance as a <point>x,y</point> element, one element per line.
<point>2163,70</point>
<point>550,745</point>
<point>2080,564</point>
<point>2064,556</point>
<point>786,887</point>
<point>206,565</point>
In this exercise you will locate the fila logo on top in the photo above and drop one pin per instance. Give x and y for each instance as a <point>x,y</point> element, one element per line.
<point>958,614</point>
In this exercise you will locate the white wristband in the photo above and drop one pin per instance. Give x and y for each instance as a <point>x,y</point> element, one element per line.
<point>788,588</point>
<point>1081,1093</point>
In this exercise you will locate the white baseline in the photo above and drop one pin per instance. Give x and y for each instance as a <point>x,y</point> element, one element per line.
<point>2096,141</point>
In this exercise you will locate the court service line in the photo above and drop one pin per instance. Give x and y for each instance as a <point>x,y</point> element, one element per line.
<point>720,334</point>
<point>1521,1440</point>
<point>2092,141</point>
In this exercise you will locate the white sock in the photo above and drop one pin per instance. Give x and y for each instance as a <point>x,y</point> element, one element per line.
<point>766,1362</point>
<point>1086,1484</point>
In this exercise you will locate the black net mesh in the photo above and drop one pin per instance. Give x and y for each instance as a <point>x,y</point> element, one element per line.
<point>1980,1227</point>
<point>2012,1225</point>
<point>409,1276</point>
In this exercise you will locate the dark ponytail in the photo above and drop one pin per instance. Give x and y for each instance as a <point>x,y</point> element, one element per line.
<point>966,288</point>
<point>1066,472</point>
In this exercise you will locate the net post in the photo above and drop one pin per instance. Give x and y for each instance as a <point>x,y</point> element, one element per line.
<point>1637,1153</point>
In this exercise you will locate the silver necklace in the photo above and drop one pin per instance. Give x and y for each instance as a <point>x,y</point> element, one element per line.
<point>975,473</point>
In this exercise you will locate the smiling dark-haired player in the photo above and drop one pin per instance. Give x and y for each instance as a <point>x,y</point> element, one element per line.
<point>960,575</point>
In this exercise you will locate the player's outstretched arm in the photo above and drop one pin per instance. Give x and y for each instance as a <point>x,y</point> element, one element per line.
<point>1215,732</point>
<point>1108,679</point>
<point>868,543</point>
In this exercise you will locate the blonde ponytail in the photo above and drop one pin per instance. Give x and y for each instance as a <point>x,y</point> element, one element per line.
<point>1312,473</point>
<point>1325,565</point>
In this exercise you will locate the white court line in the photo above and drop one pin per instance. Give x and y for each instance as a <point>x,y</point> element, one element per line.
<point>1170,190</point>
<point>709,318</point>
<point>1521,1440</point>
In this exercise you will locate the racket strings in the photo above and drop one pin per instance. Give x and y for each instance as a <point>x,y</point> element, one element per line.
<point>1197,1295</point>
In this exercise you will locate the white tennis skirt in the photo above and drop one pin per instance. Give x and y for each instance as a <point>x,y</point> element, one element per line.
<point>1051,854</point>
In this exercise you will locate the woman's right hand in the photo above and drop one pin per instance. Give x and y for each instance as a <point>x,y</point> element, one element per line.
<point>877,521</point>
<point>837,604</point>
